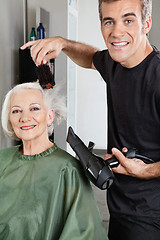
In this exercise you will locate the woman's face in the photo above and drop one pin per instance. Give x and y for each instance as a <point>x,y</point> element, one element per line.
<point>29,116</point>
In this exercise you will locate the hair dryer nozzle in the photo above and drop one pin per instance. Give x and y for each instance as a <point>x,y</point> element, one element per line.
<point>72,138</point>
<point>95,168</point>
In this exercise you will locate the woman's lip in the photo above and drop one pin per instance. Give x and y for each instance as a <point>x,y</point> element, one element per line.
<point>27,127</point>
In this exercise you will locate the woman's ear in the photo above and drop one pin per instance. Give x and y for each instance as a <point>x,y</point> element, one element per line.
<point>147,25</point>
<point>50,117</point>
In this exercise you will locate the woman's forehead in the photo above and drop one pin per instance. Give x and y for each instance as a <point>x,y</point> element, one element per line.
<point>27,96</point>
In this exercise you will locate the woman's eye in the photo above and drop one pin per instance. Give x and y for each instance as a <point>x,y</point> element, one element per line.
<point>16,111</point>
<point>35,109</point>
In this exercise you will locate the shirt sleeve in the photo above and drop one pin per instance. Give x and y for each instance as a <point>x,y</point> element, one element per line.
<point>101,61</point>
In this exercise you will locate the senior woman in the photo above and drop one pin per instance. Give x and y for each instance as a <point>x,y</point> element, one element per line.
<point>43,191</point>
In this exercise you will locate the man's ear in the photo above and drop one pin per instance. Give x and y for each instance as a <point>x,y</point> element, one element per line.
<point>147,25</point>
<point>50,116</point>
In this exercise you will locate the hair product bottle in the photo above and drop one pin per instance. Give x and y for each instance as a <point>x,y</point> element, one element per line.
<point>40,31</point>
<point>33,34</point>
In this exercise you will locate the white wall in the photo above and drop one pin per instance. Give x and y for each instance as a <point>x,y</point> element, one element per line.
<point>154,35</point>
<point>91,91</point>
<point>11,38</point>
<point>57,12</point>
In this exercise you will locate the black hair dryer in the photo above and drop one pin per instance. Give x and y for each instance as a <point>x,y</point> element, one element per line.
<point>98,172</point>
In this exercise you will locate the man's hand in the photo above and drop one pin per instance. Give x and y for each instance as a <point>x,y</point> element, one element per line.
<point>107,156</point>
<point>45,49</point>
<point>133,167</point>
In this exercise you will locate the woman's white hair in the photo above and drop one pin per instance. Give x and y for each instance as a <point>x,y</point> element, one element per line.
<point>52,98</point>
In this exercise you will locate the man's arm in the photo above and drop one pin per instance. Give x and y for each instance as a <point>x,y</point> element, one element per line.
<point>135,167</point>
<point>48,48</point>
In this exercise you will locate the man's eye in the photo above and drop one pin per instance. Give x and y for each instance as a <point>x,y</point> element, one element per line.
<point>128,21</point>
<point>109,23</point>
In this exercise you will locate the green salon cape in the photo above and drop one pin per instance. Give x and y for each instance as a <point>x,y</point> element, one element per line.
<point>46,196</point>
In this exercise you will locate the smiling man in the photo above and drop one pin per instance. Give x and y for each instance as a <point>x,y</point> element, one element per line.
<point>124,33</point>
<point>130,66</point>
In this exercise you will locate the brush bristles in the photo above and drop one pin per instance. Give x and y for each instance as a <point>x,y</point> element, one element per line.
<point>45,77</point>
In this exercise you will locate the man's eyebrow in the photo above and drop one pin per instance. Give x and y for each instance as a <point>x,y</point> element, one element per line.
<point>129,14</point>
<point>107,18</point>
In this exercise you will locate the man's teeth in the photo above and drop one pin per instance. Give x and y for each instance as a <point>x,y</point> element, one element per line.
<point>120,44</point>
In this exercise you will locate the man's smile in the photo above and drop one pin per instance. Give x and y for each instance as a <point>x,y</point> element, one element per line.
<point>120,44</point>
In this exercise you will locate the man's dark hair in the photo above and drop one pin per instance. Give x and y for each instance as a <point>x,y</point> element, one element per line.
<point>146,8</point>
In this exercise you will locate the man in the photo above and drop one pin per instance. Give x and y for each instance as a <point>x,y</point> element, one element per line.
<point>131,69</point>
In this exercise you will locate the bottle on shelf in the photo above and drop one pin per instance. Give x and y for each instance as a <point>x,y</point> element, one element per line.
<point>33,34</point>
<point>40,31</point>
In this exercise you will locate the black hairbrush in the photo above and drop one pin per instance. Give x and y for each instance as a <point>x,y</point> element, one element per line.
<point>45,76</point>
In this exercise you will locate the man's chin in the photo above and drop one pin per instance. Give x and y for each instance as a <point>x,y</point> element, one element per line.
<point>120,58</point>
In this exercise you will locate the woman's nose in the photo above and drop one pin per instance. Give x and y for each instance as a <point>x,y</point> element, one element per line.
<point>26,116</point>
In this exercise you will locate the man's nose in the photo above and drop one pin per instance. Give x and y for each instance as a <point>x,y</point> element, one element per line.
<point>118,30</point>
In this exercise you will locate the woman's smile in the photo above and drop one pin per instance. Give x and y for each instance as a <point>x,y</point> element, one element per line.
<point>27,127</point>
<point>29,115</point>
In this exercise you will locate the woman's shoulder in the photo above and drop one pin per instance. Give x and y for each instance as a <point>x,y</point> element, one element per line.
<point>66,157</point>
<point>71,165</point>
<point>67,161</point>
<point>8,151</point>
<point>6,156</point>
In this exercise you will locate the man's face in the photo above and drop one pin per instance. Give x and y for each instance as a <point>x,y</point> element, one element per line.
<point>123,31</point>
